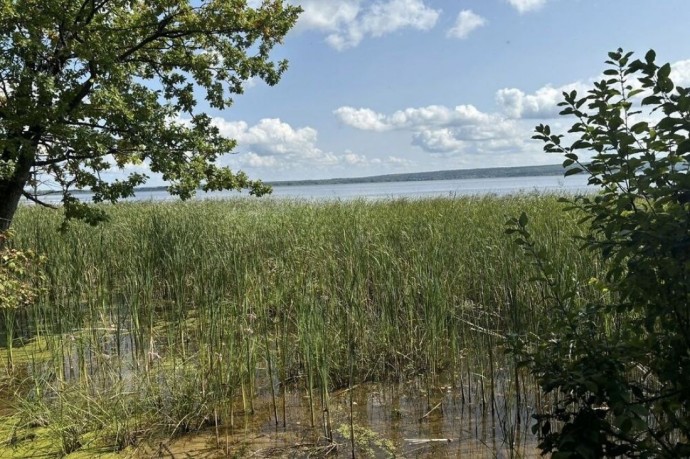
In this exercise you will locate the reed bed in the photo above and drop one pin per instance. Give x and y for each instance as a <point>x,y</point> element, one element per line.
<point>175,316</point>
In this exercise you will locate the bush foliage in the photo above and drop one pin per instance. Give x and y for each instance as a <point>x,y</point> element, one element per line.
<point>17,275</point>
<point>621,365</point>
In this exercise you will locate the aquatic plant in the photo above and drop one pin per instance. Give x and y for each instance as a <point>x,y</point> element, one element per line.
<point>200,308</point>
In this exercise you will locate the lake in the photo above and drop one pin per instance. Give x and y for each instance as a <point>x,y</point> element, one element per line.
<point>412,189</point>
<point>435,188</point>
<point>407,189</point>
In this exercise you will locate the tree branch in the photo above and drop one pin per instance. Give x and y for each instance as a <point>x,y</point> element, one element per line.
<point>159,33</point>
<point>34,199</point>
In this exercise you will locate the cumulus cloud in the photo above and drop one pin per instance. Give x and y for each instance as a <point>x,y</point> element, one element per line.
<point>525,6</point>
<point>253,160</point>
<point>348,22</point>
<point>469,133</point>
<point>438,115</point>
<point>503,137</point>
<point>465,24</point>
<point>438,141</point>
<point>353,158</point>
<point>441,129</point>
<point>543,103</point>
<point>273,143</point>
<point>412,118</point>
<point>362,118</point>
<point>327,15</point>
<point>680,73</point>
<point>271,136</point>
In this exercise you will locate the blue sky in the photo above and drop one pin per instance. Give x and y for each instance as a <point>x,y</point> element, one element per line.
<point>390,86</point>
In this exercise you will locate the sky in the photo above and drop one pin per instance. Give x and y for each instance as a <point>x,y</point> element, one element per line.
<point>395,86</point>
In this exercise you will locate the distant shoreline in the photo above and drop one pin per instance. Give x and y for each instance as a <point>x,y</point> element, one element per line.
<point>455,174</point>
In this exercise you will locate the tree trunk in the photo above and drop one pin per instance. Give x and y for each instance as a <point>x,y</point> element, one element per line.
<point>10,192</point>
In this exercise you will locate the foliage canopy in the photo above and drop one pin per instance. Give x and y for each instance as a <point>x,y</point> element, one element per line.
<point>621,365</point>
<point>87,85</point>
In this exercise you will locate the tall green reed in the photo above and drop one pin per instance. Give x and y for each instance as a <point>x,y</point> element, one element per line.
<point>220,300</point>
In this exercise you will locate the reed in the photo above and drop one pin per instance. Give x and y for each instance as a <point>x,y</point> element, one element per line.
<point>197,307</point>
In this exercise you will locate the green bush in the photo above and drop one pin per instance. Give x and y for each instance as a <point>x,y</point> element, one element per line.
<point>20,273</point>
<point>619,367</point>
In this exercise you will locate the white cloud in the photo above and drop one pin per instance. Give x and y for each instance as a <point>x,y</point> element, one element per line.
<point>438,115</point>
<point>525,6</point>
<point>438,141</point>
<point>251,82</point>
<point>511,101</point>
<point>361,118</point>
<point>328,15</point>
<point>680,73</point>
<point>543,103</point>
<point>254,160</point>
<point>466,23</point>
<point>412,118</point>
<point>440,129</point>
<point>467,134</point>
<point>348,22</point>
<point>501,136</point>
<point>353,158</point>
<point>398,162</point>
<point>275,144</point>
<point>270,136</point>
<point>384,18</point>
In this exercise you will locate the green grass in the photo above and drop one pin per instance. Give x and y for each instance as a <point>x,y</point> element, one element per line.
<point>171,314</point>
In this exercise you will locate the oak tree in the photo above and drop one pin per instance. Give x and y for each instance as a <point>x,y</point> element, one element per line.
<point>90,85</point>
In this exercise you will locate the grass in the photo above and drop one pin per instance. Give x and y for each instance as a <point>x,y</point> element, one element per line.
<point>175,316</point>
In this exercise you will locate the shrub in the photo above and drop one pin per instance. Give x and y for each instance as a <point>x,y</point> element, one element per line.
<point>19,276</point>
<point>620,366</point>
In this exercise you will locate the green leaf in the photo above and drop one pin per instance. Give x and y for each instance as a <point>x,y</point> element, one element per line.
<point>668,123</point>
<point>615,55</point>
<point>651,100</point>
<point>640,127</point>
<point>573,171</point>
<point>664,71</point>
<point>523,219</point>
<point>683,147</point>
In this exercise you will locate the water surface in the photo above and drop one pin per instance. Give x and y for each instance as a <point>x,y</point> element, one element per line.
<point>393,190</point>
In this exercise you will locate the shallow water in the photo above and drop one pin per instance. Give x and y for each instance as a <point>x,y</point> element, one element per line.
<point>389,421</point>
<point>423,417</point>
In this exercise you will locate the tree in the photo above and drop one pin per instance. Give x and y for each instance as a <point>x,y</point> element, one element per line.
<point>621,364</point>
<point>87,85</point>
